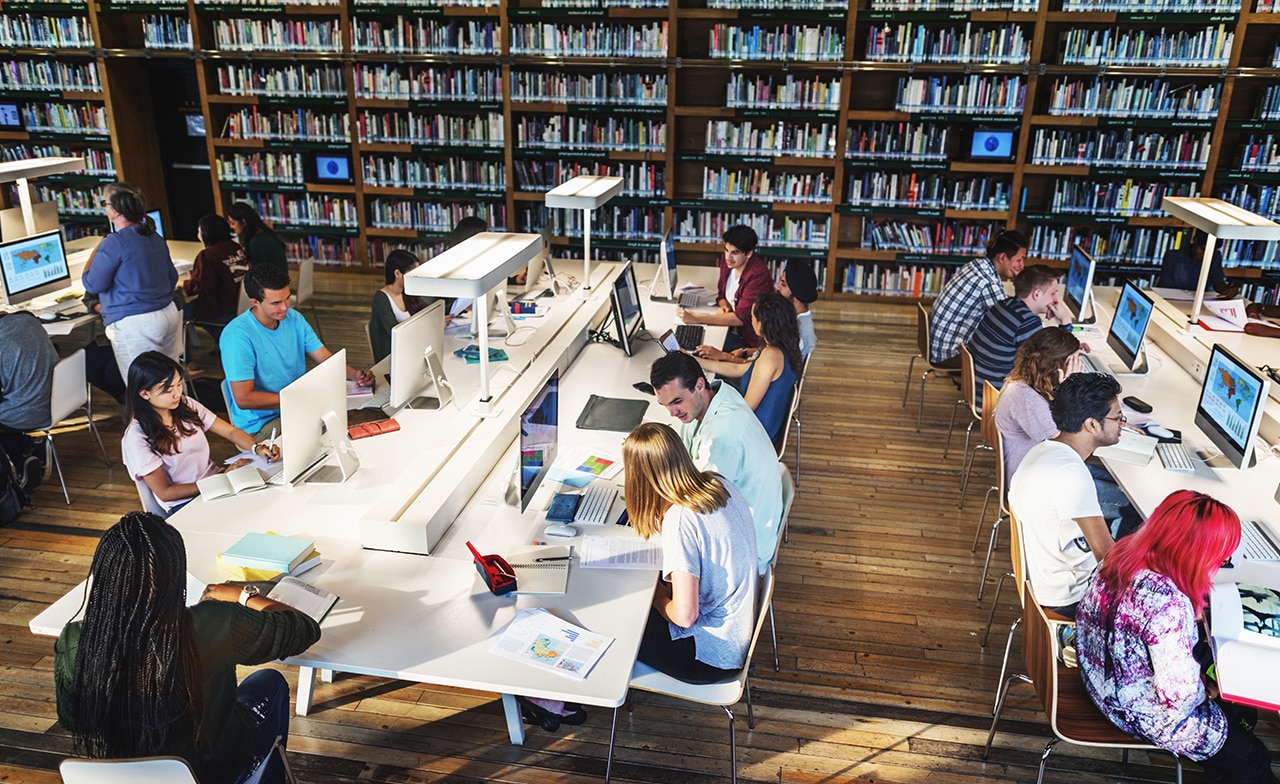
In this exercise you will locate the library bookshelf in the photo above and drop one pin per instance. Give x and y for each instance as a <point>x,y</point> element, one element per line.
<point>883,141</point>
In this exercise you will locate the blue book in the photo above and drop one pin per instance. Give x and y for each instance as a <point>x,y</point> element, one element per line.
<point>268,551</point>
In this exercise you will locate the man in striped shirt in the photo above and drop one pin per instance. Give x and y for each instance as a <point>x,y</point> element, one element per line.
<point>1011,321</point>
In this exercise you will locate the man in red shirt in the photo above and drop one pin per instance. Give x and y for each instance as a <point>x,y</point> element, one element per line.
<point>743,277</point>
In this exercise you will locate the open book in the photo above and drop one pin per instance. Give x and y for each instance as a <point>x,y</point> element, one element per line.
<point>1246,642</point>
<point>1227,315</point>
<point>303,597</point>
<point>541,570</point>
<point>241,480</point>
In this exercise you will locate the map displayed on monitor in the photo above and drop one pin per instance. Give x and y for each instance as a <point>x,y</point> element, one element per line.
<point>1230,400</point>
<point>28,265</point>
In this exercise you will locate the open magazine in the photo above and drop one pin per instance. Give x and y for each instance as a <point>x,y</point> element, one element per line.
<point>1246,642</point>
<point>537,637</point>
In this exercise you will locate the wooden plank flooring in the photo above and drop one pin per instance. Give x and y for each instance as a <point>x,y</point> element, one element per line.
<point>882,676</point>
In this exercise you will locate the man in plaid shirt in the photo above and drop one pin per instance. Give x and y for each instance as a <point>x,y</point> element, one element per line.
<point>967,296</point>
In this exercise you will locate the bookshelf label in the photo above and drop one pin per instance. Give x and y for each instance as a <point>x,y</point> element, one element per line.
<point>915,16</point>
<point>911,212</point>
<point>865,163</point>
<point>931,258</point>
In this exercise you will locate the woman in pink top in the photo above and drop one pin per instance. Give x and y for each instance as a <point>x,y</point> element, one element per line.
<point>164,441</point>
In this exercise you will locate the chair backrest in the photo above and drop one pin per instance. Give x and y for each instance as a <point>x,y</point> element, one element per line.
<point>991,434</point>
<point>306,280</point>
<point>780,441</point>
<point>225,389</point>
<point>145,770</point>
<point>968,382</point>
<point>243,303</point>
<point>1017,559</point>
<point>1039,649</point>
<point>149,501</point>
<point>788,496</point>
<point>922,330</point>
<point>70,388</point>
<point>764,598</point>
<point>368,335</point>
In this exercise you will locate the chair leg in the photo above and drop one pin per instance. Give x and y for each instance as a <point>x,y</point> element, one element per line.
<point>920,410</point>
<point>995,600</point>
<point>977,530</point>
<point>991,546</point>
<point>796,421</point>
<point>733,740</point>
<point>911,371</point>
<point>946,447</point>
<point>751,714</point>
<point>53,450</point>
<point>773,634</point>
<point>967,464</point>
<point>613,733</point>
<point>94,429</point>
<point>1044,759</point>
<point>1004,691</point>
<point>316,318</point>
<point>1004,664</point>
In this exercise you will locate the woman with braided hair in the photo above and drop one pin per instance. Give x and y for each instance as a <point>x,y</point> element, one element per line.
<point>145,675</point>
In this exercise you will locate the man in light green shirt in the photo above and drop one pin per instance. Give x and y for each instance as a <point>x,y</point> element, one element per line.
<point>723,435</point>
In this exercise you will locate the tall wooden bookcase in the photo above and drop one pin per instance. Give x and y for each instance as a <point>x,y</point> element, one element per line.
<point>842,133</point>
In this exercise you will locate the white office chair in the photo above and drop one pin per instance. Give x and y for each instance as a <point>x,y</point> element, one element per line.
<point>70,394</point>
<point>149,501</point>
<point>144,770</point>
<point>788,495</point>
<point>243,303</point>
<point>306,290</point>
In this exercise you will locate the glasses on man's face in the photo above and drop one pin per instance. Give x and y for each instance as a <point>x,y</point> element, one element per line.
<point>1121,418</point>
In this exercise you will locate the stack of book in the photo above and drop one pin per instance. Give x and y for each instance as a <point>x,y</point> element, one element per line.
<point>260,557</point>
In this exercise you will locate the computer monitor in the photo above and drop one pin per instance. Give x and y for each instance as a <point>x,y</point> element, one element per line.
<point>625,301</point>
<point>333,168</point>
<point>10,116</point>
<point>13,226</point>
<point>539,269</point>
<point>1232,398</point>
<point>33,266</point>
<point>313,419</point>
<point>992,145</point>
<point>1079,288</point>
<point>156,220</point>
<point>665,278</point>
<point>538,437</point>
<point>1129,327</point>
<point>417,344</point>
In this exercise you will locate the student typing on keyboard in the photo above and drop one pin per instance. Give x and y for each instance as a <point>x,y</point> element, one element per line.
<point>743,277</point>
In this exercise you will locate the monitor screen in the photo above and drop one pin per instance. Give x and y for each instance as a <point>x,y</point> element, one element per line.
<point>410,340</point>
<point>333,168</point>
<point>625,300</point>
<point>1133,311</point>
<point>665,277</point>
<point>10,117</point>
<point>156,221</point>
<point>303,406</point>
<point>1079,283</point>
<point>538,436</point>
<point>33,266</point>
<point>1231,402</point>
<point>991,145</point>
<point>195,125</point>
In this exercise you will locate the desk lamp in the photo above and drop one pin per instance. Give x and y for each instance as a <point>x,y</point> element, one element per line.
<point>473,268</point>
<point>21,172</point>
<point>586,192</point>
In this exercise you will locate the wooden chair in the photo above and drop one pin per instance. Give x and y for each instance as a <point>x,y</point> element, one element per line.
<point>922,352</point>
<point>968,399</point>
<point>1072,715</point>
<point>70,394</point>
<point>724,693</point>
<point>992,435</point>
<point>1018,573</point>
<point>788,496</point>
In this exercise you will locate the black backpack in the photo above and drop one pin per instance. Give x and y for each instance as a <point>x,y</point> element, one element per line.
<point>13,499</point>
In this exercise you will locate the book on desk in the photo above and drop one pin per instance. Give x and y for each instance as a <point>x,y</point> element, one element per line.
<point>1245,635</point>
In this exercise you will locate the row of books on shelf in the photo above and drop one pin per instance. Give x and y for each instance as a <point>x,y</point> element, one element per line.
<point>1132,245</point>
<point>1127,147</point>
<point>302,35</point>
<point>62,32</point>
<point>1269,108</point>
<point>760,185</point>
<point>789,92</point>
<point>433,217</point>
<point>50,75</point>
<point>415,82</point>
<point>644,179</point>
<point>426,36</point>
<point>1155,6</point>
<point>898,141</point>
<point>646,89</point>
<point>972,94</point>
<point>302,209</point>
<point>590,133</point>
<point>955,5</point>
<point>72,200</point>
<point>710,226</point>
<point>164,31</point>
<point>1259,153</point>
<point>601,39</point>
<point>303,125</point>
<point>806,139</point>
<point>906,189</point>
<point>1128,96</point>
<point>1127,198</point>
<point>399,171</point>
<point>911,42</point>
<point>51,117</point>
<point>611,222</point>
<point>273,168</point>
<point>329,251</point>
<point>950,237</point>
<point>1262,199</point>
<point>1210,46</point>
<point>310,81</point>
<point>895,280</point>
<point>444,130</point>
<point>786,42</point>
<point>97,161</point>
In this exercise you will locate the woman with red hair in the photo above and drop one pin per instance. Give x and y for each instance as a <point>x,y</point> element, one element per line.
<point>1136,636</point>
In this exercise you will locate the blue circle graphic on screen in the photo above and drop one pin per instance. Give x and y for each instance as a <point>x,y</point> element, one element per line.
<point>332,169</point>
<point>991,143</point>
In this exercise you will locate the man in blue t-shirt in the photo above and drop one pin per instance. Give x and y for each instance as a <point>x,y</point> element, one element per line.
<point>1010,322</point>
<point>265,349</point>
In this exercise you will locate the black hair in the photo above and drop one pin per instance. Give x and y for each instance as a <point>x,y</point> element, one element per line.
<point>1033,277</point>
<point>213,229</point>
<point>136,684</point>
<point>150,369</point>
<point>675,366</point>
<point>263,277</point>
<point>1197,239</point>
<point>128,200</point>
<point>744,238</point>
<point>1080,397</point>
<point>243,212</point>
<point>1008,242</point>
<point>399,260</point>
<point>778,326</point>
<point>467,227</point>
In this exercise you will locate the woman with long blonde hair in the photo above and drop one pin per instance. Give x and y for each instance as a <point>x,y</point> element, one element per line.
<point>703,611</point>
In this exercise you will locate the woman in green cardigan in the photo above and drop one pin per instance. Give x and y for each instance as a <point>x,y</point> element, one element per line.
<point>258,240</point>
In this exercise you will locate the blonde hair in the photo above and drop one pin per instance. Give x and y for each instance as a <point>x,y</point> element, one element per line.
<point>661,474</point>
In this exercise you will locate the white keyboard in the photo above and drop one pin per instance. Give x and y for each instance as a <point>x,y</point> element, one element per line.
<point>1095,365</point>
<point>379,399</point>
<point>596,501</point>
<point>1255,542</point>
<point>691,299</point>
<point>1175,457</point>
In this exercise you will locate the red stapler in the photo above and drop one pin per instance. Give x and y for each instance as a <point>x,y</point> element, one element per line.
<point>495,571</point>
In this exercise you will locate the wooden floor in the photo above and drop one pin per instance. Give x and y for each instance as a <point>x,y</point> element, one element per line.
<point>882,675</point>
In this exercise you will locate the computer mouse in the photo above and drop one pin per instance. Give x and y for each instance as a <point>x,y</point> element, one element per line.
<point>46,315</point>
<point>1159,432</point>
<point>560,529</point>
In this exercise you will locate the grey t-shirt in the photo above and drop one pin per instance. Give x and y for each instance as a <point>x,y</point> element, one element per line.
<point>1023,418</point>
<point>719,549</point>
<point>27,358</point>
<point>808,337</point>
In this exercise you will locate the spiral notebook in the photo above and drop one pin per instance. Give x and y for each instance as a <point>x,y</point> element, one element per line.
<point>541,577</point>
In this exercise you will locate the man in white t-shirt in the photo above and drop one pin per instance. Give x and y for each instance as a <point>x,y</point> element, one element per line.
<point>1052,494</point>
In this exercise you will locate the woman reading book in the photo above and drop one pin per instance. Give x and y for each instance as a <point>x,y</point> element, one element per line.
<point>1139,645</point>
<point>703,613</point>
<point>164,443</point>
<point>144,674</point>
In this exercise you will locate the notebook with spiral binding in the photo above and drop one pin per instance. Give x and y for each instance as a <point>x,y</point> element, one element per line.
<point>534,576</point>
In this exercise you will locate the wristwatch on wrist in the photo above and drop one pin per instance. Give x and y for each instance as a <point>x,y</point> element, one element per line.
<point>247,593</point>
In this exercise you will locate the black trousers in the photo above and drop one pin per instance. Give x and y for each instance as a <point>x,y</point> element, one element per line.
<point>677,658</point>
<point>1242,759</point>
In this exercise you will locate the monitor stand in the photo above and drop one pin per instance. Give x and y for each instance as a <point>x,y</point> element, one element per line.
<point>1220,460</point>
<point>341,448</point>
<point>1092,318</point>
<point>500,322</point>
<point>662,287</point>
<point>437,382</point>
<point>1140,366</point>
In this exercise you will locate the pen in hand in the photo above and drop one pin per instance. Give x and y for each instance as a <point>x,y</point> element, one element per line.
<point>272,443</point>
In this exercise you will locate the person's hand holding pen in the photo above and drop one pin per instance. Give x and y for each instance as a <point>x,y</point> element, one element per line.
<point>269,450</point>
<point>363,378</point>
<point>688,316</point>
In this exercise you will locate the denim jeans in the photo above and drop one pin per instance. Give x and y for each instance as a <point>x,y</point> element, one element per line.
<point>266,694</point>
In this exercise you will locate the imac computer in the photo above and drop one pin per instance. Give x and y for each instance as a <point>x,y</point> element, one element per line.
<point>33,266</point>
<point>417,345</point>
<point>1232,398</point>
<point>313,419</point>
<point>13,226</point>
<point>538,437</point>
<point>625,301</point>
<point>156,221</point>
<point>664,279</point>
<point>1079,288</point>
<point>1128,328</point>
<point>539,277</point>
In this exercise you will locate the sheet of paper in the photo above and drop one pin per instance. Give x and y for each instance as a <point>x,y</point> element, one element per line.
<point>578,467</point>
<point>619,552</point>
<point>537,637</point>
<point>1175,295</point>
